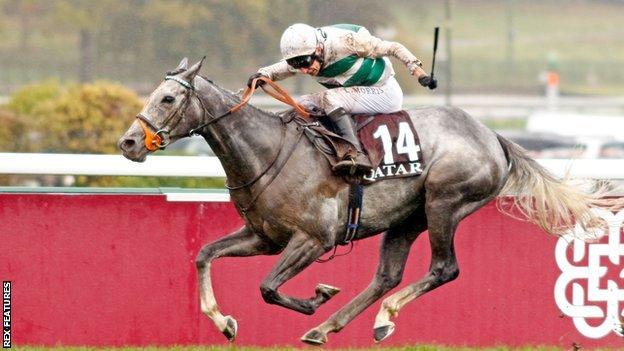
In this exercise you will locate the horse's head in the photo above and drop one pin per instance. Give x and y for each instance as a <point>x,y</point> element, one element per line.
<point>171,111</point>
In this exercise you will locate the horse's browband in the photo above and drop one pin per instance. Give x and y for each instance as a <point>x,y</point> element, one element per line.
<point>184,83</point>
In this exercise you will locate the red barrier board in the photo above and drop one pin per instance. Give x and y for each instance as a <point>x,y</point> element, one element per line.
<point>113,270</point>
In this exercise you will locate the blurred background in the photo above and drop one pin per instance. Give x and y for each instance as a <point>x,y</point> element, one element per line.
<point>546,73</point>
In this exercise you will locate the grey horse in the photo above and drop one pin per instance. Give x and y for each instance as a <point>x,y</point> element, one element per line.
<point>293,204</point>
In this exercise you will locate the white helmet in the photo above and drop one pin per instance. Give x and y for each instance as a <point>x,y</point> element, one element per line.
<point>298,40</point>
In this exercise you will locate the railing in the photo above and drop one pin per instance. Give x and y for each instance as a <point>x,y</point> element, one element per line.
<point>110,165</point>
<point>207,166</point>
<point>484,106</point>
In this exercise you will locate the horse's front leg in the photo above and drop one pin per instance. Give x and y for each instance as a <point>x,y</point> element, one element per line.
<point>243,242</point>
<point>395,247</point>
<point>301,251</point>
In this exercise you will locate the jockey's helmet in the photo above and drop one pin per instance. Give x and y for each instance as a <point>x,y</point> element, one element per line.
<point>298,40</point>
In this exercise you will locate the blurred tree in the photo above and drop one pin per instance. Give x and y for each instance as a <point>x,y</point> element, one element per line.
<point>12,137</point>
<point>27,11</point>
<point>14,132</point>
<point>137,39</point>
<point>89,118</point>
<point>29,105</point>
<point>85,18</point>
<point>368,13</point>
<point>237,36</point>
<point>77,118</point>
<point>31,99</point>
<point>251,30</point>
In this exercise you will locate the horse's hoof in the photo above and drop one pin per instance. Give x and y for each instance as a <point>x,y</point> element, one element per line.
<point>327,291</point>
<point>314,337</point>
<point>231,327</point>
<point>619,330</point>
<point>382,332</point>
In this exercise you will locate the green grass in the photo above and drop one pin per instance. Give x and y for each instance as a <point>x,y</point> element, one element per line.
<point>234,348</point>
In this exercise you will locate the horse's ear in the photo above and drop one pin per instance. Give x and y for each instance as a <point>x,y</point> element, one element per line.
<point>183,66</point>
<point>192,72</point>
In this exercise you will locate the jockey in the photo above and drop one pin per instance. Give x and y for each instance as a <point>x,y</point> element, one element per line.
<point>353,65</point>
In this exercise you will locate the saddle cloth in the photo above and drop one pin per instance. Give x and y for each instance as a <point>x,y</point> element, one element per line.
<point>389,140</point>
<point>392,145</point>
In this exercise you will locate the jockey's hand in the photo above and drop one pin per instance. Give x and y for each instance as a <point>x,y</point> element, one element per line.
<point>433,84</point>
<point>427,81</point>
<point>259,83</point>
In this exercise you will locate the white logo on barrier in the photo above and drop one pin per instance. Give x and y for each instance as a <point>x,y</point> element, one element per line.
<point>601,306</point>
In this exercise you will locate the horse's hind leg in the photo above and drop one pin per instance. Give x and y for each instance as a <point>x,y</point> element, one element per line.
<point>395,247</point>
<point>443,215</point>
<point>301,251</point>
<point>240,243</point>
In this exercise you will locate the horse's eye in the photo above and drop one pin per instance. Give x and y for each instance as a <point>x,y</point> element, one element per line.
<point>168,99</point>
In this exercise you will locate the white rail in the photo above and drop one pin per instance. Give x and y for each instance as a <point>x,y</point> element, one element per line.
<point>206,166</point>
<point>110,165</point>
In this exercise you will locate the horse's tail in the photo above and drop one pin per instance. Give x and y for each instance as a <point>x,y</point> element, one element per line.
<point>555,205</point>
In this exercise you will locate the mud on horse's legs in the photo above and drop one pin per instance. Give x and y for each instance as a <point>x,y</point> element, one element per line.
<point>301,251</point>
<point>443,216</point>
<point>395,247</point>
<point>243,242</point>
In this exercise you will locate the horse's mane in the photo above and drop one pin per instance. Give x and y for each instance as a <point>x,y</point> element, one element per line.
<point>286,115</point>
<point>235,98</point>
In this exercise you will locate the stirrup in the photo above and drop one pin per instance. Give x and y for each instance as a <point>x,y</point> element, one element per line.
<point>351,167</point>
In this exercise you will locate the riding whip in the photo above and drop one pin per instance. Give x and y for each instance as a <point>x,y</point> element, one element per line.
<point>436,31</point>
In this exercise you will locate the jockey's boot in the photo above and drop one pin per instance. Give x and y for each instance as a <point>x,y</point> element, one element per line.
<point>345,127</point>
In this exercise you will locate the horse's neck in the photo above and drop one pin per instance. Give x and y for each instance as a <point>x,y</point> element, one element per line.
<point>244,141</point>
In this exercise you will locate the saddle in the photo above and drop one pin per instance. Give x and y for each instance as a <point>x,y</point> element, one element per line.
<point>389,140</point>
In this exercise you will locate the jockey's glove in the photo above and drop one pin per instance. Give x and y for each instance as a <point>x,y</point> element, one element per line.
<point>427,81</point>
<point>254,76</point>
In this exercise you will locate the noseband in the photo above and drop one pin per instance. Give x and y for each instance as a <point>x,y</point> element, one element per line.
<point>158,138</point>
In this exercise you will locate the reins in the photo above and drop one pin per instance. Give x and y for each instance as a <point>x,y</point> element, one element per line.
<point>281,95</point>
<point>277,93</point>
<point>160,138</point>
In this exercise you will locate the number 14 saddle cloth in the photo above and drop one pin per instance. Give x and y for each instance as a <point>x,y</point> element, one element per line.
<point>389,140</point>
<point>392,145</point>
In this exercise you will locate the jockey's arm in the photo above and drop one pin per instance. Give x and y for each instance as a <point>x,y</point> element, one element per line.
<point>278,71</point>
<point>367,45</point>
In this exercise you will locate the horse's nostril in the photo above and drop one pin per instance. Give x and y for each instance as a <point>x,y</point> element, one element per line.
<point>127,144</point>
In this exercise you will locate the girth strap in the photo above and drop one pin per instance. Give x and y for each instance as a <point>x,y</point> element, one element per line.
<point>356,191</point>
<point>277,92</point>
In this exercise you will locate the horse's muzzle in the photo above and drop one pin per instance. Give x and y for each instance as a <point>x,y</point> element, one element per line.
<point>132,148</point>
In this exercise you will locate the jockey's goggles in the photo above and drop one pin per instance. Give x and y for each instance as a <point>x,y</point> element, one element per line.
<point>303,61</point>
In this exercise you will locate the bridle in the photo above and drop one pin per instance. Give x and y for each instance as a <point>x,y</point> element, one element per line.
<point>159,138</point>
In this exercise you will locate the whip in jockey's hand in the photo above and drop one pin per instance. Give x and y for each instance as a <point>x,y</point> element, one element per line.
<point>424,80</point>
<point>427,81</point>
<point>354,66</point>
